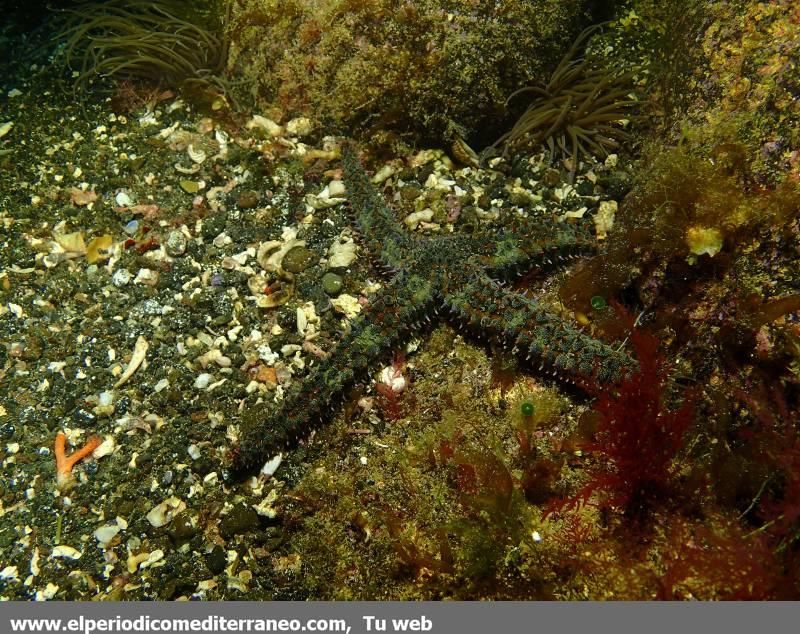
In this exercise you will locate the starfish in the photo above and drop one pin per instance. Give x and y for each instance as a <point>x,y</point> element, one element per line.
<point>453,276</point>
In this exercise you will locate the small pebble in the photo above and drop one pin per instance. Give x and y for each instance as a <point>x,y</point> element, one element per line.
<point>241,519</point>
<point>332,284</point>
<point>247,200</point>
<point>123,199</point>
<point>121,277</point>
<point>202,381</point>
<point>298,259</point>
<point>132,227</point>
<point>190,187</point>
<point>175,244</point>
<point>216,560</point>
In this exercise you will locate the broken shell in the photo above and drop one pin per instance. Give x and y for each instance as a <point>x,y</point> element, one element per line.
<point>270,254</point>
<point>162,514</point>
<point>82,198</point>
<point>604,218</point>
<point>105,534</point>
<point>383,174</point>
<point>72,243</point>
<point>67,552</point>
<point>105,448</point>
<point>341,253</point>
<point>271,466</point>
<point>412,220</point>
<point>197,156</point>
<point>139,352</point>
<point>271,293</point>
<point>98,248</point>
<point>267,125</point>
<point>346,304</point>
<point>276,298</point>
<point>148,277</point>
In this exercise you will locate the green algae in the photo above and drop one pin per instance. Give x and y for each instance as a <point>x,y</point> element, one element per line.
<point>331,60</point>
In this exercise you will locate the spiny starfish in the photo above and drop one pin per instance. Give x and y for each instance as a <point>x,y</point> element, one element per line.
<point>456,275</point>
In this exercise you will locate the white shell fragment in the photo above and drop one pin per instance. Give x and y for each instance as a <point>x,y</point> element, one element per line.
<point>267,125</point>
<point>162,514</point>
<point>9,573</point>
<point>105,534</point>
<point>347,305</point>
<point>266,507</point>
<point>332,194</point>
<point>139,352</point>
<point>393,378</point>
<point>65,552</point>
<point>383,173</point>
<point>106,448</point>
<point>341,253</point>
<point>412,220</point>
<point>197,156</point>
<point>271,466</point>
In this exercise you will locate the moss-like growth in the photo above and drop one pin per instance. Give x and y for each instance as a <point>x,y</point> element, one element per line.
<point>389,67</point>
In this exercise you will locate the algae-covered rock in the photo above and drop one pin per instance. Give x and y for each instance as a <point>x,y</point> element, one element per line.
<point>398,66</point>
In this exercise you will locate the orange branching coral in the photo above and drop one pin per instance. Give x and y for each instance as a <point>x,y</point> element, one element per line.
<point>65,463</point>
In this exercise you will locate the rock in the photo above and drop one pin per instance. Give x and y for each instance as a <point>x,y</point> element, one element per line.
<point>241,519</point>
<point>332,284</point>
<point>298,259</point>
<point>217,559</point>
<point>247,199</point>
<point>175,244</point>
<point>182,528</point>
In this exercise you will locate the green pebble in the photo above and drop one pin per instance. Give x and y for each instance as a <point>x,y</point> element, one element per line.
<point>190,187</point>
<point>598,303</point>
<point>298,259</point>
<point>332,283</point>
<point>247,200</point>
<point>527,408</point>
<point>410,192</point>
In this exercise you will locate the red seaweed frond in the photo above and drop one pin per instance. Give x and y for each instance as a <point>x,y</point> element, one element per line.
<point>638,436</point>
<point>723,559</point>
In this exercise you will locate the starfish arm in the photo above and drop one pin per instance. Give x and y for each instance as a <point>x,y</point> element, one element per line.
<point>534,332</point>
<point>381,327</point>
<point>384,235</point>
<point>530,241</point>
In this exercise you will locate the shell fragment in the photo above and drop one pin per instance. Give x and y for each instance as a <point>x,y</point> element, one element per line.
<point>139,352</point>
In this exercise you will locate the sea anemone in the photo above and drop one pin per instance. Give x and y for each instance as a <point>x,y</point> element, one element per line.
<point>148,41</point>
<point>574,114</point>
